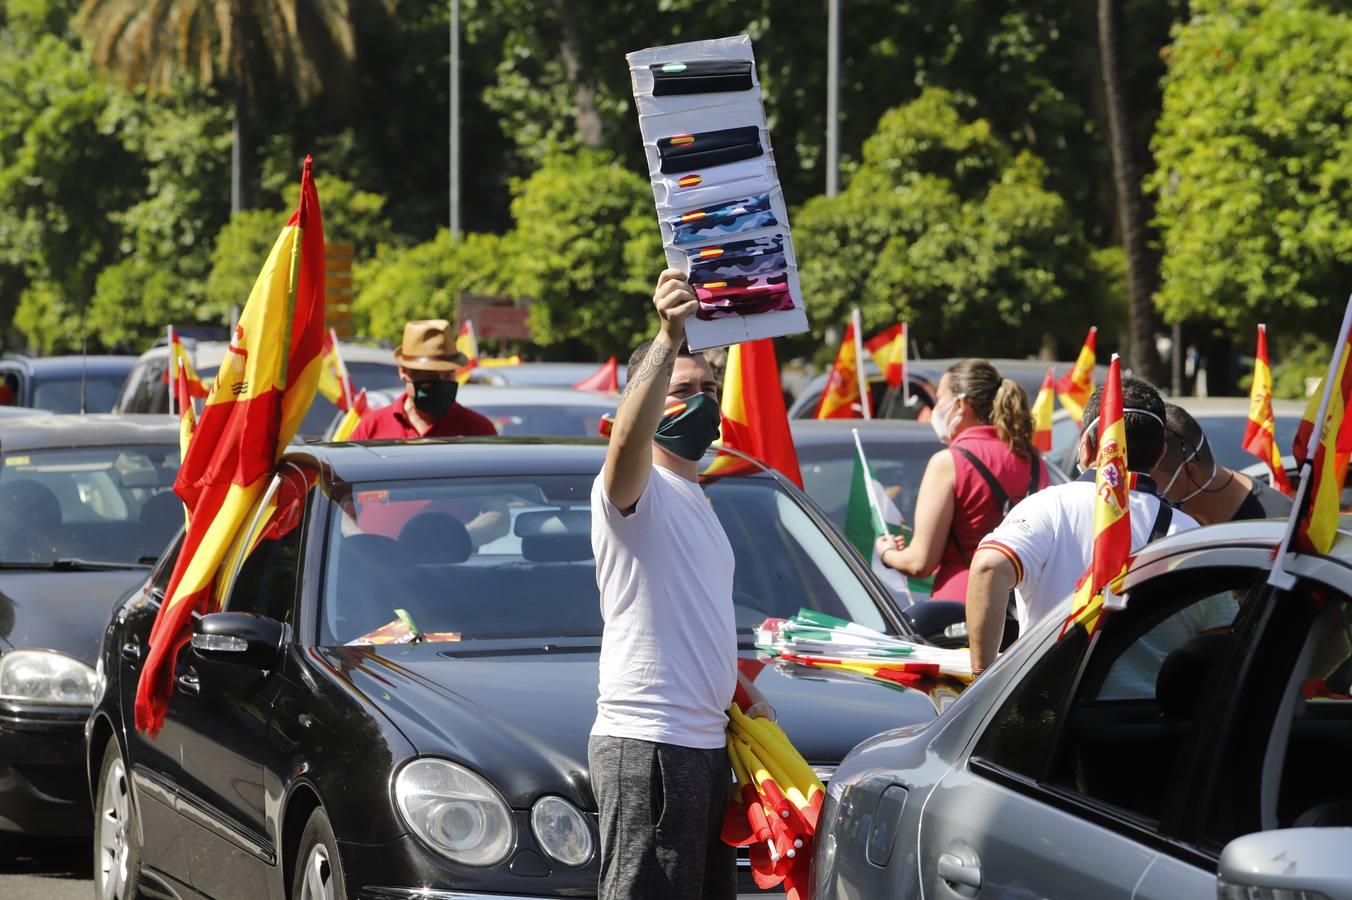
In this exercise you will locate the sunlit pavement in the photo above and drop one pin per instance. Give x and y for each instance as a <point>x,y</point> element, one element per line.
<point>45,870</point>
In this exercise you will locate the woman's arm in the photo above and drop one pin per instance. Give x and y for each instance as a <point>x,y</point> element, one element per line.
<point>933,518</point>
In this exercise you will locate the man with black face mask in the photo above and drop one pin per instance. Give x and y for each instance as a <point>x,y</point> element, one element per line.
<point>659,767</point>
<point>428,364</point>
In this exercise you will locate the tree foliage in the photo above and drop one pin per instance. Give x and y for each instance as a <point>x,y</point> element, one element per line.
<point>1255,165</point>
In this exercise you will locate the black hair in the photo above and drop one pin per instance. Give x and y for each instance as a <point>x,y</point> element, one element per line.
<point>641,353</point>
<point>1145,429</point>
<point>1183,438</point>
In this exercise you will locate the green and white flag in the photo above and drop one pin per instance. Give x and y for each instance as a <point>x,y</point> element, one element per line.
<point>870,514</point>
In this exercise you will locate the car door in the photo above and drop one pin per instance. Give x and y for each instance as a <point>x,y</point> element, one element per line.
<point>1073,786</point>
<point>219,712</point>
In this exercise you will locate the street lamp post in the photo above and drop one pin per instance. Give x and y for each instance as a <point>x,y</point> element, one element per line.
<point>455,119</point>
<point>832,97</point>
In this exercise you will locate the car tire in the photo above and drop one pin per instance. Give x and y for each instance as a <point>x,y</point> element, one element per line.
<point>318,873</point>
<point>117,847</point>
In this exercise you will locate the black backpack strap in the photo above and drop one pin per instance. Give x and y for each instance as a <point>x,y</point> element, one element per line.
<point>997,490</point>
<point>1163,519</point>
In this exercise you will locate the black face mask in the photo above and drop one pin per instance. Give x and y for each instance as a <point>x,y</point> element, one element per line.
<point>433,398</point>
<point>689,426</point>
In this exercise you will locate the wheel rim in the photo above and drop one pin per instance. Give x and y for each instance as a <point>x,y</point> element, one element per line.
<point>318,883</point>
<point>114,834</point>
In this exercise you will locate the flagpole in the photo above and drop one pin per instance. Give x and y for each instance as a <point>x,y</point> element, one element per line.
<point>864,404</point>
<point>343,381</point>
<point>905,379</point>
<point>1279,577</point>
<point>173,369</point>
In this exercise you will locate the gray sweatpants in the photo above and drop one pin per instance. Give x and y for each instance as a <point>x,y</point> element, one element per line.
<point>662,809</point>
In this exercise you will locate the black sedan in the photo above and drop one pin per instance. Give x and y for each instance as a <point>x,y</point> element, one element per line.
<point>85,506</point>
<point>396,698</point>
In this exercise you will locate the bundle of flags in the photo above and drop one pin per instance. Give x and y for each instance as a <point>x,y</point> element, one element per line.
<point>775,804</point>
<point>266,383</point>
<point>834,645</point>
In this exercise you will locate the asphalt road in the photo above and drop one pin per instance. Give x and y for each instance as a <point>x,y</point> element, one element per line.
<point>45,870</point>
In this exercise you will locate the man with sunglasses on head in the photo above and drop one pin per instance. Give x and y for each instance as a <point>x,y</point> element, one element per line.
<point>1046,543</point>
<point>1193,481</point>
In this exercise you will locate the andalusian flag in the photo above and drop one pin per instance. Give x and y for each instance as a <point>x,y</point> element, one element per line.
<point>846,394</point>
<point>1077,386</point>
<point>755,421</point>
<point>1043,409</point>
<point>1260,436</point>
<point>266,383</point>
<point>352,418</point>
<point>467,342</point>
<point>181,361</point>
<point>1317,500</point>
<point>334,381</point>
<point>869,514</point>
<point>1112,516</point>
<point>889,352</point>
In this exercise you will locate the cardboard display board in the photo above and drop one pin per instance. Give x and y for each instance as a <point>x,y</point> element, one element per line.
<point>717,192</point>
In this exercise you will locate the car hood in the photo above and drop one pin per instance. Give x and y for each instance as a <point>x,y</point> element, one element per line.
<point>64,611</point>
<point>522,718</point>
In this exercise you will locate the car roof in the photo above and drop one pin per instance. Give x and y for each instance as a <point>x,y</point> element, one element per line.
<point>1208,407</point>
<point>90,430</point>
<point>95,364</point>
<point>462,458</point>
<point>820,432</point>
<point>208,354</point>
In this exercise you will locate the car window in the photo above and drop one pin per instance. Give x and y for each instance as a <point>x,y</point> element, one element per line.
<point>104,504</point>
<point>11,389</point>
<point>828,470</point>
<point>1138,694</point>
<point>62,395</point>
<point>269,574</point>
<point>164,571</point>
<point>543,421</point>
<point>511,559</point>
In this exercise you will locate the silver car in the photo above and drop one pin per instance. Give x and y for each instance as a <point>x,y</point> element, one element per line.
<point>1209,707</point>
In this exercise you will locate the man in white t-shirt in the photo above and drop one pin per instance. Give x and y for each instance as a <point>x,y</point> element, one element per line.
<point>659,767</point>
<point>1045,544</point>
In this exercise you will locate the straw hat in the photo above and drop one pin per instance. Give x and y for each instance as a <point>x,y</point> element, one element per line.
<point>429,344</point>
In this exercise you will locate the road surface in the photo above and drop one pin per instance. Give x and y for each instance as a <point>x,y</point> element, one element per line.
<point>45,870</point>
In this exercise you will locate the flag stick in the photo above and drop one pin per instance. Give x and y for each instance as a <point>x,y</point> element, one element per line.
<point>1280,578</point>
<point>864,404</point>
<point>173,370</point>
<point>905,379</point>
<point>879,524</point>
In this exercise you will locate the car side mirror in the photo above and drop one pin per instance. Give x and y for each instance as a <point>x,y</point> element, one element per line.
<point>1289,863</point>
<point>240,638</point>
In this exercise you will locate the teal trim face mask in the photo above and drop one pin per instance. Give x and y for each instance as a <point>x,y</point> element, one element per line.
<point>434,398</point>
<point>689,426</point>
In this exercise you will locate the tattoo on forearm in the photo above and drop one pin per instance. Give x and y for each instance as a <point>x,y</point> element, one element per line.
<point>659,358</point>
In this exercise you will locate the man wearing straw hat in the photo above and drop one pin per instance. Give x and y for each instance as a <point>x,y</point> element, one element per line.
<point>428,363</point>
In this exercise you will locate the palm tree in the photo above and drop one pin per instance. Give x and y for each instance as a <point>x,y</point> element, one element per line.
<point>151,42</point>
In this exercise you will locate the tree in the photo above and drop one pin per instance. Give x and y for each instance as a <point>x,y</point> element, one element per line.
<point>208,41</point>
<point>1254,175</point>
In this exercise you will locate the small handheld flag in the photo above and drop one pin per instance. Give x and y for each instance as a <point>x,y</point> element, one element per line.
<point>1076,387</point>
<point>1260,435</point>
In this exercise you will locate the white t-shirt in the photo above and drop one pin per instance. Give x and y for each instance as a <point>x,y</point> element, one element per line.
<point>1049,537</point>
<point>669,650</point>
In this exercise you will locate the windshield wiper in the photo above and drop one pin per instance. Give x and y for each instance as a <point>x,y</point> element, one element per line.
<point>73,564</point>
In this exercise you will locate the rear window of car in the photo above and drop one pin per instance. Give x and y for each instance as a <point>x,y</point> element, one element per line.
<point>520,420</point>
<point>62,395</point>
<point>511,559</point>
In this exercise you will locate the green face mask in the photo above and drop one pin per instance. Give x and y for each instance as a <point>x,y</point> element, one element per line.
<point>689,426</point>
<point>433,398</point>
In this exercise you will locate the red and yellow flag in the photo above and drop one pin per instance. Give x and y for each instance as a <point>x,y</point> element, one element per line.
<point>889,352</point>
<point>1326,448</point>
<point>1043,408</point>
<point>334,381</point>
<point>181,361</point>
<point>844,397</point>
<point>1260,435</point>
<point>1112,516</point>
<point>467,342</point>
<point>266,383</point>
<point>352,418</point>
<point>1076,387</point>
<point>606,379</point>
<point>755,420</point>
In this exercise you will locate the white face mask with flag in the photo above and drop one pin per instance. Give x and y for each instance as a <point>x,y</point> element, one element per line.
<point>941,420</point>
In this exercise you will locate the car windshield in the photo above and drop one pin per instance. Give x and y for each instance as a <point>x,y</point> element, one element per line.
<point>98,504</point>
<point>1225,434</point>
<point>462,559</point>
<point>899,466</point>
<point>524,420</point>
<point>62,395</point>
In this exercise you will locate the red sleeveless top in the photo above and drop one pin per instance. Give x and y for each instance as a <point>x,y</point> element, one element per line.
<point>976,511</point>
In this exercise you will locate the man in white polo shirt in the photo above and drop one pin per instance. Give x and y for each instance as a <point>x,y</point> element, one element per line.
<point>659,767</point>
<point>1045,544</point>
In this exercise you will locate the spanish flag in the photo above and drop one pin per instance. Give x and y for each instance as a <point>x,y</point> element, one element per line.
<point>1112,516</point>
<point>266,383</point>
<point>1325,448</point>
<point>1076,387</point>
<point>334,381</point>
<point>467,342</point>
<point>1260,435</point>
<point>187,419</point>
<point>352,418</point>
<point>845,396</point>
<point>755,420</point>
<point>889,352</point>
<point>180,361</point>
<point>1043,408</point>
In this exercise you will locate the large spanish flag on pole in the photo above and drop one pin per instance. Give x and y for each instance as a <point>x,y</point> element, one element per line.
<point>1077,386</point>
<point>1323,439</point>
<point>1112,515</point>
<point>266,383</point>
<point>846,394</point>
<point>754,418</point>
<point>334,381</point>
<point>1260,435</point>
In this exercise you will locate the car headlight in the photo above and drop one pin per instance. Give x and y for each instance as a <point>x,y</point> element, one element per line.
<point>455,812</point>
<point>561,830</point>
<point>45,676</point>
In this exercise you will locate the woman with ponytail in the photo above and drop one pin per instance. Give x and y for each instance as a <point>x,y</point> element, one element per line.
<point>989,465</point>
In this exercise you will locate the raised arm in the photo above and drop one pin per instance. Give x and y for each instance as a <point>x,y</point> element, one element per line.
<point>629,459</point>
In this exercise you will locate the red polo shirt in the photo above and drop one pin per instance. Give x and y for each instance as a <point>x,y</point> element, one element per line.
<point>390,423</point>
